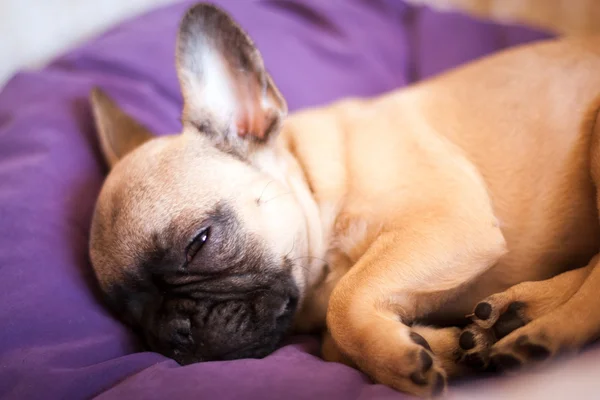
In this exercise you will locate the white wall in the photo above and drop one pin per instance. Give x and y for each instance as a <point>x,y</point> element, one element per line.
<point>34,31</point>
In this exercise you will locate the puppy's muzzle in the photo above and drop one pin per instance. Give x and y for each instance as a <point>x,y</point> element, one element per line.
<point>207,327</point>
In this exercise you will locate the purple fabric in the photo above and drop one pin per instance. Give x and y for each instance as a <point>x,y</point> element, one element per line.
<point>57,340</point>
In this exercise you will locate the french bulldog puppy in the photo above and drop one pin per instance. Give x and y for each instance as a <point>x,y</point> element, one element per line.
<point>429,232</point>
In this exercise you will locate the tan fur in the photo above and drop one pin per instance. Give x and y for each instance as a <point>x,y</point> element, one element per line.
<point>531,151</point>
<point>412,206</point>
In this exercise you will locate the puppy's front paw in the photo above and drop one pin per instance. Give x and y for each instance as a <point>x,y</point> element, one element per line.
<point>514,308</point>
<point>529,320</point>
<point>414,370</point>
<point>529,345</point>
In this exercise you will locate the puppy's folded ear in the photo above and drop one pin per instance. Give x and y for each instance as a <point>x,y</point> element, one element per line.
<point>117,131</point>
<point>227,91</point>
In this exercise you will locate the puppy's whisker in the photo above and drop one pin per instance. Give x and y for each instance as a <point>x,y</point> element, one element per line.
<point>293,260</point>
<point>303,267</point>
<point>308,257</point>
<point>312,257</point>
<point>263,192</point>
<point>279,195</point>
<point>293,246</point>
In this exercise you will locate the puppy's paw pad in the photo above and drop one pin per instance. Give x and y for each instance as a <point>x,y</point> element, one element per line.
<point>475,344</point>
<point>418,378</point>
<point>501,313</point>
<point>529,346</point>
<point>427,375</point>
<point>475,361</point>
<point>534,352</point>
<point>439,385</point>
<point>483,311</point>
<point>426,361</point>
<point>424,364</point>
<point>420,340</point>
<point>466,341</point>
<point>512,319</point>
<point>433,384</point>
<point>486,313</point>
<point>505,362</point>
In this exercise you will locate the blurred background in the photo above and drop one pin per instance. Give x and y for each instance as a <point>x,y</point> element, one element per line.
<point>34,31</point>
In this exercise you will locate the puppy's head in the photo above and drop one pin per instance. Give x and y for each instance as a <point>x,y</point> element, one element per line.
<point>197,239</point>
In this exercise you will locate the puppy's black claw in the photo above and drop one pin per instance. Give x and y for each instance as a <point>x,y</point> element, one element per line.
<point>483,311</point>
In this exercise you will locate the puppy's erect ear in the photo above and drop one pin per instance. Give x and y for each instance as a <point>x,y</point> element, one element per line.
<point>227,91</point>
<point>118,132</point>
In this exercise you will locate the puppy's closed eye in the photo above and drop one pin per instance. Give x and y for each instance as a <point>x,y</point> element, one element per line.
<point>197,244</point>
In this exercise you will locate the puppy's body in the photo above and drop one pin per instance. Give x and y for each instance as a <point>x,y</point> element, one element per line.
<point>525,126</point>
<point>377,216</point>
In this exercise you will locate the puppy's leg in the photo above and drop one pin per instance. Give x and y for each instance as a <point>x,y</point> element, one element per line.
<point>500,314</point>
<point>373,305</point>
<point>506,311</point>
<point>561,327</point>
<point>564,311</point>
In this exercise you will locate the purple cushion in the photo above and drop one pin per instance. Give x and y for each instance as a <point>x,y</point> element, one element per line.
<point>57,339</point>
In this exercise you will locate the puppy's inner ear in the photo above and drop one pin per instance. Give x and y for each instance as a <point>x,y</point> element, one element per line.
<point>118,132</point>
<point>226,88</point>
